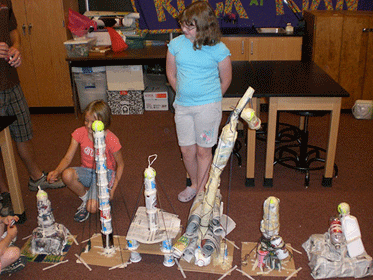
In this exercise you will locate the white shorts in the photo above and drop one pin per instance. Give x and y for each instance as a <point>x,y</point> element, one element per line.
<point>198,124</point>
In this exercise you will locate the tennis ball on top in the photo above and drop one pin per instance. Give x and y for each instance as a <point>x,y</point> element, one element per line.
<point>150,173</point>
<point>98,126</point>
<point>344,208</point>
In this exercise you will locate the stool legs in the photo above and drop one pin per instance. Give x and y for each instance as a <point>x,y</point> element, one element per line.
<point>302,155</point>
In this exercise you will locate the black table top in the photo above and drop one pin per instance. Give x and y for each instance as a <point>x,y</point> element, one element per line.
<point>282,79</point>
<point>6,121</point>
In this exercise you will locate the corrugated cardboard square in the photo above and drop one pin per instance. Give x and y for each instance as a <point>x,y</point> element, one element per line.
<point>95,255</point>
<point>248,257</point>
<point>125,77</point>
<point>212,267</point>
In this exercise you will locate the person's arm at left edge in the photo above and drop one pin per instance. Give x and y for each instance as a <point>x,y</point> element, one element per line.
<point>225,73</point>
<point>14,49</point>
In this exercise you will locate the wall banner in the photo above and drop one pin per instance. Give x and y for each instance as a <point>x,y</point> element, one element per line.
<point>159,16</point>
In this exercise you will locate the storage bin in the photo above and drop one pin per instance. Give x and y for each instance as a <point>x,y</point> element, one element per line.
<point>126,102</point>
<point>90,83</point>
<point>79,48</point>
<point>135,42</point>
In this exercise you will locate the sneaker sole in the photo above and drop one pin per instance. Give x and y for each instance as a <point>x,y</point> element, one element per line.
<point>15,267</point>
<point>34,189</point>
<point>80,221</point>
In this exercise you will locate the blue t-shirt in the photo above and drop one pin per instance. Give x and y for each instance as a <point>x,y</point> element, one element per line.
<point>197,77</point>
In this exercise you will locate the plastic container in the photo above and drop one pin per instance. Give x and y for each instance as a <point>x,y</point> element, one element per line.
<point>135,42</point>
<point>363,109</point>
<point>289,29</point>
<point>335,232</point>
<point>90,83</point>
<point>79,48</point>
<point>351,231</point>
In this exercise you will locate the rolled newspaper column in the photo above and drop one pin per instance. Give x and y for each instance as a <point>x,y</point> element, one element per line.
<point>102,184</point>
<point>151,195</point>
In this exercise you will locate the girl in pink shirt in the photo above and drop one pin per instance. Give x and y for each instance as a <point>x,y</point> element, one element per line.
<point>82,180</point>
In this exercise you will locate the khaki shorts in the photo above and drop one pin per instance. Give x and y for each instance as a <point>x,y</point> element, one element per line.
<point>198,124</point>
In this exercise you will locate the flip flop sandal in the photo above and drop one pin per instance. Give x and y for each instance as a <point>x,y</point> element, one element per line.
<point>187,195</point>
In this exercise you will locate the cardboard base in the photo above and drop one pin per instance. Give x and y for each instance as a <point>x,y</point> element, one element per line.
<point>248,257</point>
<point>213,267</point>
<point>95,255</point>
<point>43,258</point>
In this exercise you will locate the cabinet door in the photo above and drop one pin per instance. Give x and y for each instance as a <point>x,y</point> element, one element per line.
<point>353,57</point>
<point>44,75</point>
<point>47,34</point>
<point>368,79</point>
<point>26,71</point>
<point>275,48</point>
<point>237,47</point>
<point>327,43</point>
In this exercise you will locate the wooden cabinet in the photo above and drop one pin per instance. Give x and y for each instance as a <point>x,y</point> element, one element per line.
<point>264,48</point>
<point>44,73</point>
<point>340,42</point>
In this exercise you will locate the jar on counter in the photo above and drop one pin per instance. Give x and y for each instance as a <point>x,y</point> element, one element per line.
<point>289,29</point>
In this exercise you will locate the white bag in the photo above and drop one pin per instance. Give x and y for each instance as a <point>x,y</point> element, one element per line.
<point>363,109</point>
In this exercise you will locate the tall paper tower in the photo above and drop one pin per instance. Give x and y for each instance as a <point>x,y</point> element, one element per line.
<point>102,184</point>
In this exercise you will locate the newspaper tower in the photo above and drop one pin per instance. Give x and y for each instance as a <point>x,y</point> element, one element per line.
<point>102,184</point>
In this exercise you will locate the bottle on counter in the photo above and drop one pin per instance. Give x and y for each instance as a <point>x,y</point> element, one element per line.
<point>289,28</point>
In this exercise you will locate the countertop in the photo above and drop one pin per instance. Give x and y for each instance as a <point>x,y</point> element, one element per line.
<point>252,32</point>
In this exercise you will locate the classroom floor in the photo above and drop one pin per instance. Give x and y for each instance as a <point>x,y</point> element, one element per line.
<point>303,212</point>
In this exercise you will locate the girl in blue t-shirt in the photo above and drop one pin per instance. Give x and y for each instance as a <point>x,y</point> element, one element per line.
<point>199,69</point>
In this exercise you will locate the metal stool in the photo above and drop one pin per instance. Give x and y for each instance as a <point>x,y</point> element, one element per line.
<point>285,133</point>
<point>301,156</point>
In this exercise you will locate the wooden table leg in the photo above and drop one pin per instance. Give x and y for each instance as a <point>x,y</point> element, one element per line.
<point>271,137</point>
<point>332,142</point>
<point>11,171</point>
<point>251,138</point>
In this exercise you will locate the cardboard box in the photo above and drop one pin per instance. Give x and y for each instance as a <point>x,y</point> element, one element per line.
<point>125,102</point>
<point>156,105</point>
<point>125,77</point>
<point>156,98</point>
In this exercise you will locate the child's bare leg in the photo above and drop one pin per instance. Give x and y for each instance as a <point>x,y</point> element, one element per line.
<point>204,158</point>
<point>10,255</point>
<point>92,205</point>
<point>190,162</point>
<point>70,178</point>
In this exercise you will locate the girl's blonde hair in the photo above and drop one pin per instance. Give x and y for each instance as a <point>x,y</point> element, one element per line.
<point>201,15</point>
<point>100,110</point>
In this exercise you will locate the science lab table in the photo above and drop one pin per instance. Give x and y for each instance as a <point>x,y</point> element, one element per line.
<point>10,167</point>
<point>289,86</point>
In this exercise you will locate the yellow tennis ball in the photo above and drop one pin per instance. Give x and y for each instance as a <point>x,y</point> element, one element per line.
<point>98,126</point>
<point>344,208</point>
<point>150,173</point>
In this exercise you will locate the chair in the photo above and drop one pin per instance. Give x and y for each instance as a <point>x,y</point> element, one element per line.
<point>302,156</point>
